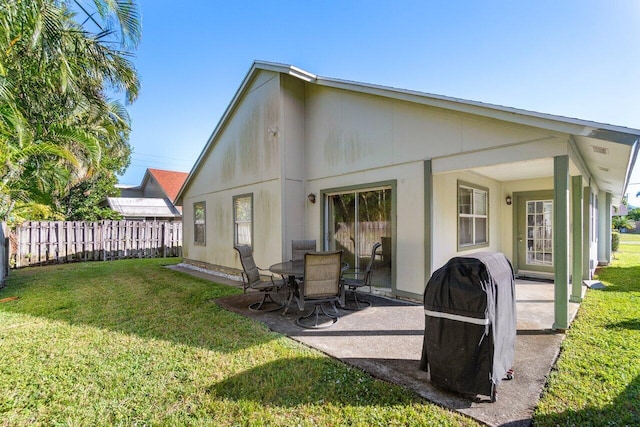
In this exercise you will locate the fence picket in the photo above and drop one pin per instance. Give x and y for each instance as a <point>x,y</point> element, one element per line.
<point>46,242</point>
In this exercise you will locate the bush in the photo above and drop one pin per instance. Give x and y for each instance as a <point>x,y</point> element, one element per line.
<point>615,241</point>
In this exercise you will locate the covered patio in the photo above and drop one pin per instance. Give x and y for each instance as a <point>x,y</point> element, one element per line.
<point>386,341</point>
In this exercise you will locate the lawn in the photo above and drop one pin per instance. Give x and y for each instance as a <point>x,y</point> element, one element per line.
<point>597,377</point>
<point>133,343</point>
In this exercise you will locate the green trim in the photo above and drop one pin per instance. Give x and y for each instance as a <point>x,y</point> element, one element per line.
<point>561,241</point>
<point>462,248</point>
<point>393,185</point>
<point>607,227</point>
<point>518,201</point>
<point>576,230</point>
<point>586,235</point>
<point>428,218</point>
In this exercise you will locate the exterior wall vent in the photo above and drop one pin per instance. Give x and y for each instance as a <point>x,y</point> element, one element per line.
<point>600,150</point>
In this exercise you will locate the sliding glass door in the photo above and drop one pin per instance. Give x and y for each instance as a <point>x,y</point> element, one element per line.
<point>355,221</point>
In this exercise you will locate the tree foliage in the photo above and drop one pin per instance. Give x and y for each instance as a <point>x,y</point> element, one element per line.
<point>634,214</point>
<point>60,133</point>
<point>622,222</point>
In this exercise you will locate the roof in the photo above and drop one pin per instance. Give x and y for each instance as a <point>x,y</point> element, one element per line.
<point>579,128</point>
<point>169,181</point>
<point>143,207</point>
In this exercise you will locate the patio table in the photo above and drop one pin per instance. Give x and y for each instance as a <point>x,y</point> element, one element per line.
<point>293,269</point>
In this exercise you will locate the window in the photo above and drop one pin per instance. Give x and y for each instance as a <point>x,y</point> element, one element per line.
<point>199,214</point>
<point>473,216</point>
<point>243,219</point>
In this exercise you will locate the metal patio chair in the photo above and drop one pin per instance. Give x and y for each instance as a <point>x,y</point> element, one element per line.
<point>359,279</point>
<point>252,278</point>
<point>321,285</point>
<point>301,247</point>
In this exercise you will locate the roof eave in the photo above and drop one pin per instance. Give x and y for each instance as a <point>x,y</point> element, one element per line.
<point>618,134</point>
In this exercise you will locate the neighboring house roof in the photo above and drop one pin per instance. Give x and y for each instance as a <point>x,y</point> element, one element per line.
<point>621,210</point>
<point>130,207</point>
<point>169,181</point>
<point>153,198</point>
<point>604,146</point>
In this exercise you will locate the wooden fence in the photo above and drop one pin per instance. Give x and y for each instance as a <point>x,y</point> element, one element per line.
<point>49,242</point>
<point>4,253</point>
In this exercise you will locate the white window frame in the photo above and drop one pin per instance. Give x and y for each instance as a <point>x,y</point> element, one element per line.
<point>240,238</point>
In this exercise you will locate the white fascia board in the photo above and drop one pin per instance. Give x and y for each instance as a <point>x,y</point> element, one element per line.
<point>632,162</point>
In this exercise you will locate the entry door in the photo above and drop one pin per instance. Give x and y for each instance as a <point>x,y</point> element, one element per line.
<point>534,243</point>
<point>357,219</point>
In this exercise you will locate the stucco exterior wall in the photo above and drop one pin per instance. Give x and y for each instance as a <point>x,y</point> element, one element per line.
<point>445,217</point>
<point>409,233</point>
<point>348,130</point>
<point>354,139</point>
<point>244,158</point>
<point>292,124</point>
<point>218,249</point>
<point>287,139</point>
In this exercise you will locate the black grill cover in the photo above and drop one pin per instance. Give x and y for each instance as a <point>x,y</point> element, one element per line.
<point>470,323</point>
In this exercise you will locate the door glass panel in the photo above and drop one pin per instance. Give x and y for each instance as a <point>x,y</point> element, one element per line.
<point>540,232</point>
<point>358,220</point>
<point>342,209</point>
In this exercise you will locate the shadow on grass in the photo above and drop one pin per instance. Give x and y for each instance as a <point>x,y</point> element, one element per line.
<point>306,380</point>
<point>632,324</point>
<point>623,411</point>
<point>620,279</point>
<point>139,297</point>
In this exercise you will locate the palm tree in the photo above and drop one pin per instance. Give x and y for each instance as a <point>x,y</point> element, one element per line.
<point>620,222</point>
<point>57,126</point>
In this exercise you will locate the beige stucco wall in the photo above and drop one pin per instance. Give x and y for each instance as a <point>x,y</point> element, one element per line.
<point>245,159</point>
<point>445,218</point>
<point>287,139</point>
<point>410,247</point>
<point>354,139</point>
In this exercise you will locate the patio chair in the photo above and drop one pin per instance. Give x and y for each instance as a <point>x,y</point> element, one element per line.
<point>253,279</point>
<point>301,247</point>
<point>361,278</point>
<point>321,285</point>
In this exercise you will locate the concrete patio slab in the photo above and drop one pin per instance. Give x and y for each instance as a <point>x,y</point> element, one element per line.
<point>386,341</point>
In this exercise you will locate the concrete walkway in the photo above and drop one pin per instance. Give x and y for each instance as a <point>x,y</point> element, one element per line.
<point>386,341</point>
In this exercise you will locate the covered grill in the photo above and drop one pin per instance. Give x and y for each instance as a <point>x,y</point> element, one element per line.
<point>470,324</point>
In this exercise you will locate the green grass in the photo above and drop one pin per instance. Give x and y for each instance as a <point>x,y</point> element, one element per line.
<point>133,343</point>
<point>597,377</point>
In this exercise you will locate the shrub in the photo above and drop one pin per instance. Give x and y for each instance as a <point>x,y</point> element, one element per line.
<point>615,241</point>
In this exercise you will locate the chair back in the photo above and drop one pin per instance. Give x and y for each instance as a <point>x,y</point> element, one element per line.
<point>301,247</point>
<point>248,264</point>
<point>322,272</point>
<point>373,257</point>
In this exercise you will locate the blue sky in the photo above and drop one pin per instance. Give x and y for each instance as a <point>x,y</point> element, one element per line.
<point>571,58</point>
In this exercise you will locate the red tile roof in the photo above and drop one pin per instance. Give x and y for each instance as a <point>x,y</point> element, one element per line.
<point>170,181</point>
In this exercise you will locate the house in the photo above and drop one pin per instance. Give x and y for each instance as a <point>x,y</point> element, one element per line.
<point>153,199</point>
<point>299,156</point>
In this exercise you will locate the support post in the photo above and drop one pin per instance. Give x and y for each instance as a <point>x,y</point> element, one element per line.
<point>561,241</point>
<point>428,209</point>
<point>576,229</point>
